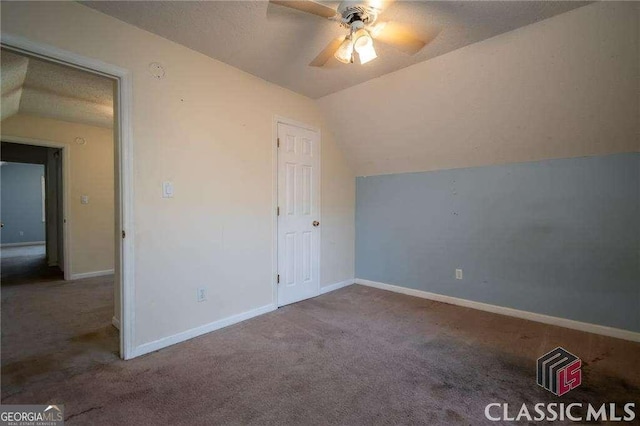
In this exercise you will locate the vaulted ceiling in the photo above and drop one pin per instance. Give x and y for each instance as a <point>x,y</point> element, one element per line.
<point>36,87</point>
<point>277,43</point>
<point>564,87</point>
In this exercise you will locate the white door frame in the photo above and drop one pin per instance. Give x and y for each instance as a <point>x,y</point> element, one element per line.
<point>66,178</point>
<point>124,140</point>
<point>274,197</point>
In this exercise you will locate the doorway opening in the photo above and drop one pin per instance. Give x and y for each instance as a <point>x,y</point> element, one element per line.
<point>31,232</point>
<point>60,294</point>
<point>124,262</point>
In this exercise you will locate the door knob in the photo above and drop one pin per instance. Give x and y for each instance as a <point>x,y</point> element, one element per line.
<point>316,223</point>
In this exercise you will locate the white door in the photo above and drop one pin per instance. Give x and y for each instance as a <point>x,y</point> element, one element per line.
<point>298,214</point>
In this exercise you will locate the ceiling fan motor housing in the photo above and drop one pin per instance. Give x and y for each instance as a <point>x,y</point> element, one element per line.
<point>354,11</point>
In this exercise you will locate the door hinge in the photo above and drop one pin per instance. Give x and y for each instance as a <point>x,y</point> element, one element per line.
<point>278,142</point>
<point>124,234</point>
<point>278,211</point>
<point>278,279</point>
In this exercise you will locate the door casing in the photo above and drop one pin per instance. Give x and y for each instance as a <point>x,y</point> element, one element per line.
<point>123,134</point>
<point>66,178</point>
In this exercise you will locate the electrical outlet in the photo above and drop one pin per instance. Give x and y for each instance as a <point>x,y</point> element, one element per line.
<point>21,233</point>
<point>458,274</point>
<point>202,295</point>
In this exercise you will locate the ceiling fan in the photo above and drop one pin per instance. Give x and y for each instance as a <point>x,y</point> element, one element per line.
<point>360,17</point>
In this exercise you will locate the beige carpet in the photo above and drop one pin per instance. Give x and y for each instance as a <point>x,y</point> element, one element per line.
<point>354,356</point>
<point>25,265</point>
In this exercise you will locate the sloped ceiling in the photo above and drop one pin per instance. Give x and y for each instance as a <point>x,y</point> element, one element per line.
<point>35,87</point>
<point>14,71</point>
<point>277,43</point>
<point>564,87</point>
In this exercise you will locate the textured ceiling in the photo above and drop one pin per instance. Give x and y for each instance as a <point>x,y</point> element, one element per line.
<point>13,72</point>
<point>36,87</point>
<point>277,43</point>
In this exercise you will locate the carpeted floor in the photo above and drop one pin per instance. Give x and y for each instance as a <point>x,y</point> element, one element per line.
<point>51,329</point>
<point>354,356</point>
<point>26,264</point>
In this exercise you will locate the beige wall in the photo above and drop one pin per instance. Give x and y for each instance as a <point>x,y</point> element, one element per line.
<point>91,173</point>
<point>563,87</point>
<point>207,127</point>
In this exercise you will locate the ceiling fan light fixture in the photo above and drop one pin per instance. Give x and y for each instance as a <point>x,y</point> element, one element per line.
<point>361,39</point>
<point>345,51</point>
<point>367,54</point>
<point>360,17</point>
<point>363,44</point>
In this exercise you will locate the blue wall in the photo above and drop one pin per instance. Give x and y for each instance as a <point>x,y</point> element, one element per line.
<point>21,197</point>
<point>557,237</point>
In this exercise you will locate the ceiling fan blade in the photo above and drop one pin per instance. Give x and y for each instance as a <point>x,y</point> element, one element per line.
<point>398,36</point>
<point>308,6</point>
<point>327,52</point>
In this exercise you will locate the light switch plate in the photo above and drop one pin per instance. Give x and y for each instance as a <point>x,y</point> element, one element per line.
<point>167,189</point>
<point>202,294</point>
<point>458,274</point>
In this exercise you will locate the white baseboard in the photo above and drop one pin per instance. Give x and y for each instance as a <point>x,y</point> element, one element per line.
<point>336,286</point>
<point>216,325</point>
<point>531,316</point>
<point>115,322</point>
<point>91,274</point>
<point>32,243</point>
<point>198,331</point>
